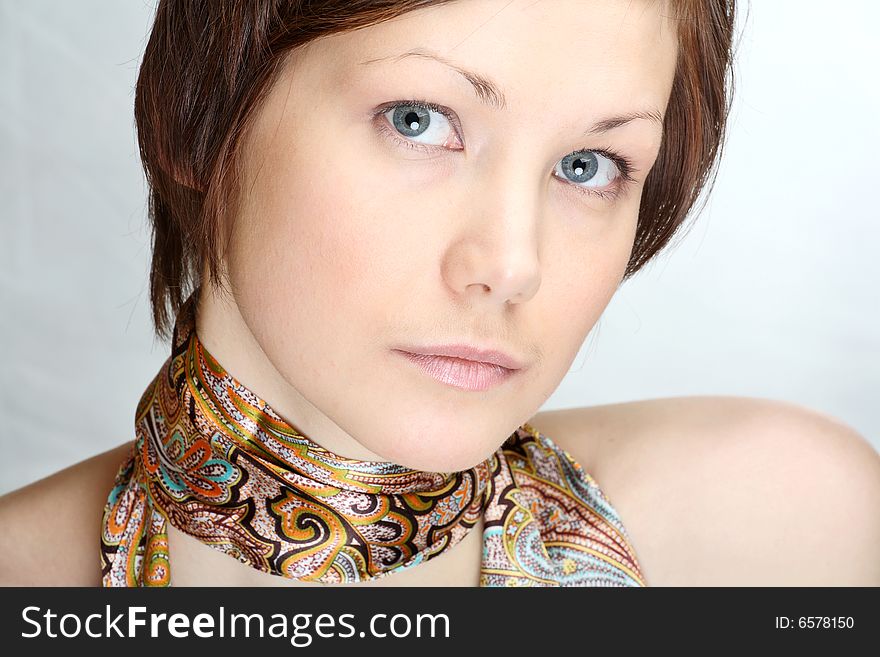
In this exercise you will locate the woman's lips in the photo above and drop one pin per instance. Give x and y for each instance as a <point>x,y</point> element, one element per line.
<point>460,373</point>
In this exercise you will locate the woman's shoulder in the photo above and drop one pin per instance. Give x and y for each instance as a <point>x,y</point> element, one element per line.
<point>52,527</point>
<point>732,490</point>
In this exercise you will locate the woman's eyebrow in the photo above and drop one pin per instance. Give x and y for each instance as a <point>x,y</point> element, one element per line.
<point>489,92</point>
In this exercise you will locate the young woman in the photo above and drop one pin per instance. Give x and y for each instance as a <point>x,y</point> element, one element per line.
<point>382,231</point>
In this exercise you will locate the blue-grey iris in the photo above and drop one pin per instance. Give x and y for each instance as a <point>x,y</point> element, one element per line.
<point>405,116</point>
<point>582,165</point>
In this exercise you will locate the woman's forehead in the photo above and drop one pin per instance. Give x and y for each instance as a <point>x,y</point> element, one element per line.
<point>617,52</point>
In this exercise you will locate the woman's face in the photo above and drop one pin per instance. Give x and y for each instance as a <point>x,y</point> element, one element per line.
<point>506,224</point>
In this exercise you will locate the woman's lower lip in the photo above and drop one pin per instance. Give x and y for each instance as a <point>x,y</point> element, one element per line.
<point>459,373</point>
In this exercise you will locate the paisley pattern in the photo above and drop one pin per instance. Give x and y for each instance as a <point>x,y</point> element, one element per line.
<point>219,464</point>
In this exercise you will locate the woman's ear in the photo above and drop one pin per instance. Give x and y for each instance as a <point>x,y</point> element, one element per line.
<point>186,179</point>
<point>188,182</point>
<point>179,172</point>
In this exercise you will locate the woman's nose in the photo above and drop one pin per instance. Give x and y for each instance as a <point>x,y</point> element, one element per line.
<point>497,254</point>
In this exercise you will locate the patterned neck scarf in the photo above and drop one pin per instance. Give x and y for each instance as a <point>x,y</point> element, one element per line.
<point>219,464</point>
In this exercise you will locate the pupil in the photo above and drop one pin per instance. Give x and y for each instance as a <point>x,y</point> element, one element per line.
<point>580,166</point>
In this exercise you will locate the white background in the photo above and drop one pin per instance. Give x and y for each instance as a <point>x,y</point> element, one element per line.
<point>772,293</point>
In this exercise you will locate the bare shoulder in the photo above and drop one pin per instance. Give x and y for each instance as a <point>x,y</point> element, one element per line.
<point>51,528</point>
<point>731,491</point>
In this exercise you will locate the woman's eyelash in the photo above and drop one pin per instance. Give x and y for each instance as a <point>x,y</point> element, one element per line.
<point>624,165</point>
<point>421,104</point>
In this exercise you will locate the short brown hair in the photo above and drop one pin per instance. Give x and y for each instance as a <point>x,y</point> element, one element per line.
<point>208,65</point>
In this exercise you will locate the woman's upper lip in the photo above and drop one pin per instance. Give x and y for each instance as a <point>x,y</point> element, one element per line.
<point>467,352</point>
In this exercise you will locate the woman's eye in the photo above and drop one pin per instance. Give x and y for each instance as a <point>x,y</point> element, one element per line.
<point>591,171</point>
<point>422,123</point>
